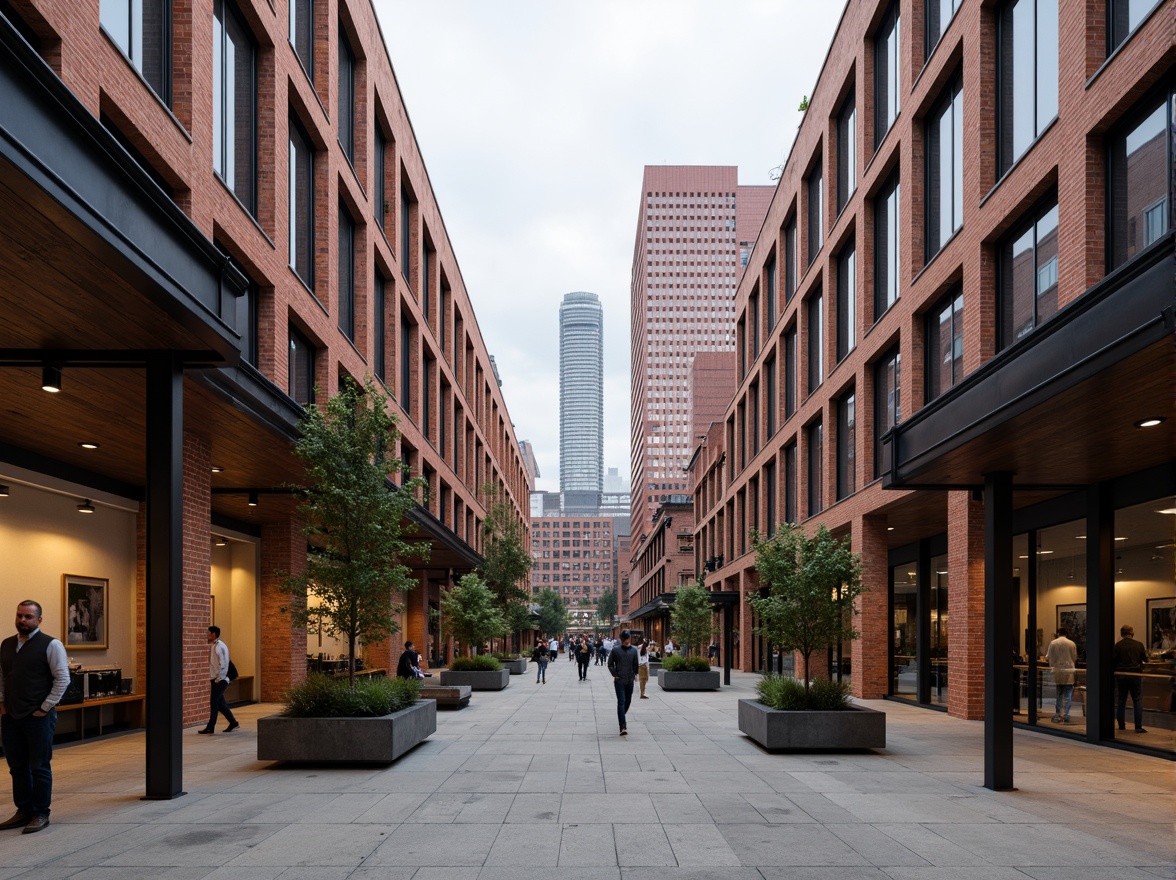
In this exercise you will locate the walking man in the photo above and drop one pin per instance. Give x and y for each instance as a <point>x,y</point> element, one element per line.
<point>1128,657</point>
<point>583,656</point>
<point>218,671</point>
<point>34,673</point>
<point>1062,656</point>
<point>553,647</point>
<point>540,656</point>
<point>622,663</point>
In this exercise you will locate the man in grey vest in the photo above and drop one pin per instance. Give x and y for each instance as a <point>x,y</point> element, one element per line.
<point>34,673</point>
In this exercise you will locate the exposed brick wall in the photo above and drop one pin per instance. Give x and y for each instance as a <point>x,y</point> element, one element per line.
<point>965,605</point>
<point>141,599</point>
<point>283,646</point>
<point>197,575</point>
<point>870,656</point>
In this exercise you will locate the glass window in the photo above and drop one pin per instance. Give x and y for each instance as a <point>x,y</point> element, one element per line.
<point>1028,274</point>
<point>846,301</point>
<point>234,105</point>
<point>887,403</point>
<point>754,400</point>
<point>770,498</point>
<point>937,17</point>
<point>301,205</point>
<point>405,235</point>
<point>302,33</point>
<point>379,352</point>
<point>406,366</point>
<point>346,98</point>
<point>816,342</point>
<point>790,372</point>
<point>945,343</point>
<point>846,153</point>
<point>887,59</point>
<point>346,273</point>
<point>301,369</point>
<point>770,290</point>
<point>1124,16</point>
<point>1027,69</point>
<point>816,212</point>
<point>1139,184</point>
<point>790,260</point>
<point>945,168</point>
<point>886,253</point>
<point>815,440</point>
<point>379,197</point>
<point>142,29</point>
<point>790,483</point>
<point>904,628</point>
<point>770,399</point>
<point>846,459</point>
<point>939,629</point>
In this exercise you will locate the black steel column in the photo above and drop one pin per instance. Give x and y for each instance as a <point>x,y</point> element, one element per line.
<point>998,643</point>
<point>165,585</point>
<point>1100,610</point>
<point>728,648</point>
<point>1031,651</point>
<point>923,624</point>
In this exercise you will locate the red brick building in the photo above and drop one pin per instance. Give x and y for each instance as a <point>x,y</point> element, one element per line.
<point>214,214</point>
<point>955,348</point>
<point>576,557</point>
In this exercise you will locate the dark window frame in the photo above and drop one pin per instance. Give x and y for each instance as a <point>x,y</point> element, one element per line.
<point>1007,154</point>
<point>307,224</point>
<point>790,255</point>
<point>884,266</point>
<point>1005,270</point>
<point>847,152</point>
<point>771,398</point>
<point>380,317</point>
<point>816,207</point>
<point>296,338</point>
<point>846,300</point>
<point>815,336</point>
<point>814,434</point>
<point>887,406</point>
<point>346,95</point>
<point>159,78</point>
<point>346,274</point>
<point>887,63</point>
<point>1118,220</point>
<point>932,326</point>
<point>1118,31</point>
<point>950,102</point>
<point>771,296</point>
<point>379,188</point>
<point>791,373</point>
<point>246,194</point>
<point>302,41</point>
<point>846,445</point>
<point>790,483</point>
<point>934,27</point>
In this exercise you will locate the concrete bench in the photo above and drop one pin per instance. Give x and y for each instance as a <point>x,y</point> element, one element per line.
<point>448,696</point>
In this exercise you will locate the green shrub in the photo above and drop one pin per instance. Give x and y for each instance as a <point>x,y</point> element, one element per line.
<point>321,696</point>
<point>678,663</point>
<point>505,657</point>
<point>480,663</point>
<point>787,694</point>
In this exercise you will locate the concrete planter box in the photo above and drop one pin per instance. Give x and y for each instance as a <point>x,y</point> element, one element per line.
<point>345,740</point>
<point>447,697</point>
<point>654,668</point>
<point>478,681</point>
<point>517,666</point>
<point>853,728</point>
<point>688,681</point>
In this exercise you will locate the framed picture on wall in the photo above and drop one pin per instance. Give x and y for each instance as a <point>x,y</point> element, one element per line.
<point>83,612</point>
<point>1161,624</point>
<point>1073,618</point>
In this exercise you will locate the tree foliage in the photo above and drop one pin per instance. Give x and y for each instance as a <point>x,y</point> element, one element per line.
<point>553,612</point>
<point>691,617</point>
<point>506,562</point>
<point>812,587</point>
<point>606,606</point>
<point>471,612</point>
<point>354,519</point>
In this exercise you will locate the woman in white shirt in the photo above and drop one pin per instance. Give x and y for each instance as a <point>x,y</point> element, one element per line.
<point>643,666</point>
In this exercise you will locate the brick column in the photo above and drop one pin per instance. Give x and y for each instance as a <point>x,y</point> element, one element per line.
<point>283,645</point>
<point>870,653</point>
<point>141,599</point>
<point>747,585</point>
<point>197,574</point>
<point>965,606</point>
<point>416,619</point>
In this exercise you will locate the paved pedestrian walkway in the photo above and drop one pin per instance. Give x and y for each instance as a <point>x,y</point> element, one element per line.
<point>534,781</point>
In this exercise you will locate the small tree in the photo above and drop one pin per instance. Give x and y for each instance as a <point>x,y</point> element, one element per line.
<point>606,606</point>
<point>354,519</point>
<point>691,617</point>
<point>812,585</point>
<point>506,562</point>
<point>472,613</point>
<point>553,612</point>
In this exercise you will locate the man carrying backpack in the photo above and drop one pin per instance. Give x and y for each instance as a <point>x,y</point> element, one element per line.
<point>218,671</point>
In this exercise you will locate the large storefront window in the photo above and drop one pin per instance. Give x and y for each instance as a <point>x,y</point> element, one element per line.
<point>918,622</point>
<point>938,611</point>
<point>904,632</point>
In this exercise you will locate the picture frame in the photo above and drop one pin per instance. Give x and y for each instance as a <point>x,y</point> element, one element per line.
<point>1161,624</point>
<point>84,612</point>
<point>1073,618</point>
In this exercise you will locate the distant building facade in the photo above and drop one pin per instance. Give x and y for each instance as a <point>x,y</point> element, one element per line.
<point>581,401</point>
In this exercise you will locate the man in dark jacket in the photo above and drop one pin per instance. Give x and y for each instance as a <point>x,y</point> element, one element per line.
<point>410,662</point>
<point>622,663</point>
<point>583,657</point>
<point>1128,657</point>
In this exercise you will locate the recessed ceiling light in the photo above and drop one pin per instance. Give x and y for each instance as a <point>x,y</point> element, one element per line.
<point>253,499</point>
<point>51,378</point>
<point>1120,539</point>
<point>3,491</point>
<point>1151,422</point>
<point>87,444</point>
<point>217,470</point>
<point>86,507</point>
<point>218,541</point>
<point>1168,510</point>
<point>890,528</point>
<point>1044,552</point>
<point>1080,537</point>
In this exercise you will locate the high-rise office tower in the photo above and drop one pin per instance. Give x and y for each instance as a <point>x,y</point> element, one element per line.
<point>581,402</point>
<point>695,228</point>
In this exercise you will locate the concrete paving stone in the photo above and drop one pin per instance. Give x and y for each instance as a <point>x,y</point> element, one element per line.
<point>815,873</point>
<point>152,873</point>
<point>392,809</point>
<point>912,807</point>
<point>552,763</point>
<point>1098,873</point>
<point>535,807</point>
<point>502,781</point>
<point>583,782</point>
<point>592,873</point>
<point>310,844</point>
<point>822,809</point>
<point>416,781</point>
<point>776,808</point>
<point>876,847</point>
<point>193,846</point>
<point>61,844</point>
<point>741,781</point>
<point>1032,846</point>
<point>415,874</point>
<point>926,842</point>
<point>680,809</point>
<point>315,872</point>
<point>590,808</point>
<point>762,845</point>
<point>543,781</point>
<point>227,873</point>
<point>642,845</point>
<point>526,845</point>
<point>700,845</point>
<point>587,846</point>
<point>1168,872</point>
<point>436,846</point>
<point>728,808</point>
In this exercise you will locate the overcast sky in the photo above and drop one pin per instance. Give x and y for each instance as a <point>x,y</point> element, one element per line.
<point>536,119</point>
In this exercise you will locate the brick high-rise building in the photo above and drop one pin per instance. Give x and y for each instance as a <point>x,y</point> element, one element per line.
<point>575,556</point>
<point>686,265</point>
<point>954,341</point>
